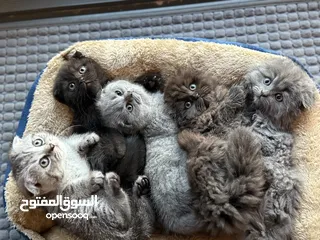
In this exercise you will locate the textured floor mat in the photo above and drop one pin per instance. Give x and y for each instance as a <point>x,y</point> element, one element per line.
<point>291,28</point>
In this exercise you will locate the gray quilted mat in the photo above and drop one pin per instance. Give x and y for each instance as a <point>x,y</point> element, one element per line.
<point>292,28</point>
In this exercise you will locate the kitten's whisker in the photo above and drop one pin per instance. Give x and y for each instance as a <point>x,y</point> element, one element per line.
<point>136,98</point>
<point>86,82</point>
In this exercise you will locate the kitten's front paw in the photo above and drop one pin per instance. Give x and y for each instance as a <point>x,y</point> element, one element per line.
<point>151,81</point>
<point>141,186</point>
<point>96,181</point>
<point>92,139</point>
<point>88,141</point>
<point>113,181</point>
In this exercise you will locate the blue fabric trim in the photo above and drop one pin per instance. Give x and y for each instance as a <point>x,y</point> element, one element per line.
<point>25,113</point>
<point>22,125</point>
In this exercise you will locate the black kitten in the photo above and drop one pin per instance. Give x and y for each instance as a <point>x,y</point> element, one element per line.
<point>115,152</point>
<point>77,84</point>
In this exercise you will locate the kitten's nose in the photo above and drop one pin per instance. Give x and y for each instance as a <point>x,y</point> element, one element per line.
<point>51,147</point>
<point>128,96</point>
<point>263,94</point>
<point>196,95</point>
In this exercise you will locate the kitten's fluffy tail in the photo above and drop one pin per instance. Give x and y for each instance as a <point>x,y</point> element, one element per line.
<point>246,183</point>
<point>232,185</point>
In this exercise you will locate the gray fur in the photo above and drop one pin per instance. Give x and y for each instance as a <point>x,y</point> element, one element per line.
<point>287,79</point>
<point>282,200</point>
<point>228,178</point>
<point>118,216</point>
<point>165,162</point>
<point>277,92</point>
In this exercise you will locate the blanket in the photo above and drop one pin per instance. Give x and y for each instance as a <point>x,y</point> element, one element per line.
<point>129,59</point>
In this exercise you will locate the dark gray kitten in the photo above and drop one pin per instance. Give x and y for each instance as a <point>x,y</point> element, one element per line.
<point>129,107</point>
<point>47,165</point>
<point>271,97</point>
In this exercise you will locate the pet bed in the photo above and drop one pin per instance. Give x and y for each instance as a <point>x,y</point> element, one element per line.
<point>130,58</point>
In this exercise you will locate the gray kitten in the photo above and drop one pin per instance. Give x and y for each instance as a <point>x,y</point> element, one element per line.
<point>280,92</point>
<point>129,107</point>
<point>47,165</point>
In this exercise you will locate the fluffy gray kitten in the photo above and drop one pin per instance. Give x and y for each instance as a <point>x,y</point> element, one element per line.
<point>129,107</point>
<point>280,92</point>
<point>47,165</point>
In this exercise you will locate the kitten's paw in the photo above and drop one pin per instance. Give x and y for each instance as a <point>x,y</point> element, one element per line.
<point>92,139</point>
<point>113,181</point>
<point>255,235</point>
<point>151,81</point>
<point>96,181</point>
<point>141,186</point>
<point>88,140</point>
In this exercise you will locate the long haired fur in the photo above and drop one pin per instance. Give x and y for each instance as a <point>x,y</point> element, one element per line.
<point>281,91</point>
<point>269,99</point>
<point>228,177</point>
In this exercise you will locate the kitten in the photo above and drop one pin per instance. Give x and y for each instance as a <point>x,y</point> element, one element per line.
<point>47,165</point>
<point>225,170</point>
<point>77,85</point>
<point>269,99</point>
<point>125,155</point>
<point>281,91</point>
<point>129,107</point>
<point>79,81</point>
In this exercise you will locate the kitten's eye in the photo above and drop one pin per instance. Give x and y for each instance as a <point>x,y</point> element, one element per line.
<point>82,70</point>
<point>72,86</point>
<point>187,105</point>
<point>278,97</point>
<point>267,81</point>
<point>119,93</point>
<point>193,87</point>
<point>38,142</point>
<point>129,107</point>
<point>44,162</point>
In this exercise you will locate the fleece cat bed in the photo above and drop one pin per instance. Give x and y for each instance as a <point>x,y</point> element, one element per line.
<point>128,59</point>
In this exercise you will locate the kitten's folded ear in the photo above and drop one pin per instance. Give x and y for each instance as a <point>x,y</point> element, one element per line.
<point>69,55</point>
<point>58,94</point>
<point>14,148</point>
<point>16,141</point>
<point>307,98</point>
<point>77,55</point>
